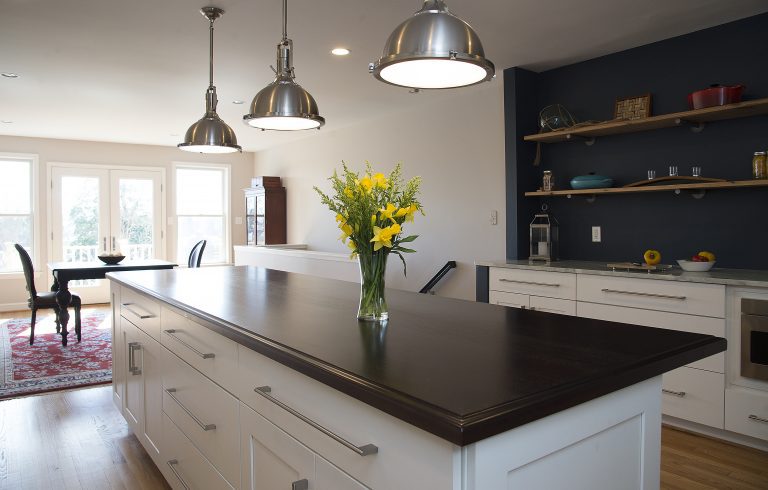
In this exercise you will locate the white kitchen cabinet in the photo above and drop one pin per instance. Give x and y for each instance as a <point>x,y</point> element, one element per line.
<point>143,400</point>
<point>118,358</point>
<point>746,412</point>
<point>551,292</point>
<point>695,395</point>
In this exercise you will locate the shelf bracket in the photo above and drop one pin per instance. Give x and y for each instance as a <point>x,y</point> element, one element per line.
<point>589,141</point>
<point>696,127</point>
<point>591,198</point>
<point>698,194</point>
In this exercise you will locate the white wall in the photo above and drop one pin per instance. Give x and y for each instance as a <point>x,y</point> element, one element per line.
<point>12,291</point>
<point>458,150</point>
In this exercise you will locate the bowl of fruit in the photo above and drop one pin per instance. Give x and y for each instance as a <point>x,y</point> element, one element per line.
<point>701,262</point>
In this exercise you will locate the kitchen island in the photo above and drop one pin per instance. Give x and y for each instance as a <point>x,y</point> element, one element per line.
<point>242,377</point>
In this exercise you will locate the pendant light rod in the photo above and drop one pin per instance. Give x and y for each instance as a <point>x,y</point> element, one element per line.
<point>285,20</point>
<point>210,58</point>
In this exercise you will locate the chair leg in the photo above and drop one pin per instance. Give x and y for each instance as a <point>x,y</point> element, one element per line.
<point>58,323</point>
<point>32,327</point>
<point>77,323</point>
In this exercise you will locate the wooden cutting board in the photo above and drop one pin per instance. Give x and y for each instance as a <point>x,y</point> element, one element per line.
<point>639,267</point>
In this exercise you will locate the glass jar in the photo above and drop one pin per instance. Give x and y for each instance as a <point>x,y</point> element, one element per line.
<point>547,183</point>
<point>759,165</point>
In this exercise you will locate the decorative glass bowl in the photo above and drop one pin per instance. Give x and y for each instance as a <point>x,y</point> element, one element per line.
<point>111,259</point>
<point>691,266</point>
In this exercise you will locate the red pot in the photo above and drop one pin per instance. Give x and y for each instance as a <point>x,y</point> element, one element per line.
<point>715,95</point>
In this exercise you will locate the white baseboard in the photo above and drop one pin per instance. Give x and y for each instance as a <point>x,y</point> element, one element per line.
<point>716,433</point>
<point>14,306</point>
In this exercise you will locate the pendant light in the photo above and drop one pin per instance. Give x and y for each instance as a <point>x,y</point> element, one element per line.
<point>433,49</point>
<point>284,105</point>
<point>210,134</point>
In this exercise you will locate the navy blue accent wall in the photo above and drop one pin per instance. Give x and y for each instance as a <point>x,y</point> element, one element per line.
<point>732,223</point>
<point>481,283</point>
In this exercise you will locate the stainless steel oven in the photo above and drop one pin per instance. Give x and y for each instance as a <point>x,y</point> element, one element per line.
<point>754,339</point>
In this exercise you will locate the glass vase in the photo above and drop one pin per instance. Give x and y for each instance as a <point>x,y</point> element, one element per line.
<point>373,305</point>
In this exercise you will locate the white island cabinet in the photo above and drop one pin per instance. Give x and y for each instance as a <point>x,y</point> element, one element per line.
<point>221,403</point>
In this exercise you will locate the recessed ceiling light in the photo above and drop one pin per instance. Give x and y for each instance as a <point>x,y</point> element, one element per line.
<point>174,134</point>
<point>237,102</point>
<point>6,121</point>
<point>340,51</point>
<point>8,74</point>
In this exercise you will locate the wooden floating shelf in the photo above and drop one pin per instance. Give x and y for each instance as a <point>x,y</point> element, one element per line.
<point>653,188</point>
<point>695,117</point>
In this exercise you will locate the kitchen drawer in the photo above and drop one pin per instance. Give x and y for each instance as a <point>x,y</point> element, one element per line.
<point>536,283</point>
<point>421,460</point>
<point>661,319</point>
<point>746,412</point>
<point>207,351</point>
<point>185,468</point>
<point>205,413</point>
<point>513,300</point>
<point>553,305</point>
<point>141,311</point>
<point>695,395</point>
<point>654,294</point>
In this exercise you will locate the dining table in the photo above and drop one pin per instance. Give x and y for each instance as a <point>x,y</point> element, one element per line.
<point>63,272</point>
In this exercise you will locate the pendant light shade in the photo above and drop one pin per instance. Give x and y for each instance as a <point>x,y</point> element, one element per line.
<point>210,134</point>
<point>433,49</point>
<point>284,105</point>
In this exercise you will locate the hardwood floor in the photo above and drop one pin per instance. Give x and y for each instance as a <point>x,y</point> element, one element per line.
<point>77,439</point>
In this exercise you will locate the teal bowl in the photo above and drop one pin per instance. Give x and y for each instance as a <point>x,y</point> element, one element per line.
<point>591,182</point>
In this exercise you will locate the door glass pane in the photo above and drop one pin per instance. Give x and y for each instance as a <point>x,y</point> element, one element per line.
<point>80,218</point>
<point>136,218</point>
<point>195,228</point>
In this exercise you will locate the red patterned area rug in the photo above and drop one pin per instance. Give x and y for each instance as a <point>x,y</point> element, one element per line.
<point>47,365</point>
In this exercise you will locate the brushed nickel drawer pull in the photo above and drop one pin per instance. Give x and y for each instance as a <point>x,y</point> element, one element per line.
<point>172,465</point>
<point>204,355</point>
<point>142,316</point>
<point>302,484</point>
<point>680,394</point>
<point>364,450</point>
<point>651,295</point>
<point>758,419</point>
<point>203,426</point>
<point>132,348</point>
<point>531,283</point>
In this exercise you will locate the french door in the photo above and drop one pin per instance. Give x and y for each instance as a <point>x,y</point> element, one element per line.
<point>96,210</point>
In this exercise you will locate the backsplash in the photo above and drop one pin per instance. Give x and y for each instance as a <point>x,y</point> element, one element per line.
<point>732,223</point>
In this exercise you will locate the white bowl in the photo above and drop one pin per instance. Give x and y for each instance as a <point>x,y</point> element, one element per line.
<point>691,266</point>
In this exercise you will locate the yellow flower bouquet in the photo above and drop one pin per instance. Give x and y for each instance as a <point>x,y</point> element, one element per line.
<point>370,212</point>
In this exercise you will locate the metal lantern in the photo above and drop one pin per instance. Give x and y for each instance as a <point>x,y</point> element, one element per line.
<point>544,238</point>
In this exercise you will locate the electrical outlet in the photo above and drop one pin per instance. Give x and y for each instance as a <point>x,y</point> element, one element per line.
<point>596,234</point>
<point>494,217</point>
<point>238,220</point>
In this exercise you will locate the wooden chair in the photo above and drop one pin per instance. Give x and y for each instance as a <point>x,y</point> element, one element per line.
<point>44,300</point>
<point>196,255</point>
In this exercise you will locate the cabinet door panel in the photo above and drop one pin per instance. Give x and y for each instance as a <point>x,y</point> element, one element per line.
<point>271,459</point>
<point>512,300</point>
<point>118,349</point>
<point>553,305</point>
<point>695,395</point>
<point>328,477</point>
<point>133,400</point>
<point>152,388</point>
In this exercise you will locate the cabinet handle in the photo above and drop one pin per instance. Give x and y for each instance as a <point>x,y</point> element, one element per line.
<point>302,484</point>
<point>680,394</point>
<point>758,419</point>
<point>637,293</point>
<point>531,283</point>
<point>172,465</point>
<point>132,348</point>
<point>364,450</point>
<point>142,316</point>
<point>204,355</point>
<point>205,427</point>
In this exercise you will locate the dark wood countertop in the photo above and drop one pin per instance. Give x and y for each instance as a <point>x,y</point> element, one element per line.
<point>461,370</point>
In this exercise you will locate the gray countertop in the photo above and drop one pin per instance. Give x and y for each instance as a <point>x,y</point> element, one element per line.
<point>729,277</point>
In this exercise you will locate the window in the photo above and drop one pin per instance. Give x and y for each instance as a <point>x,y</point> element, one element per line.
<point>202,212</point>
<point>17,204</point>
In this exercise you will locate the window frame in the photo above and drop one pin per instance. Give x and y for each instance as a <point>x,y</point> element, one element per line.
<point>226,169</point>
<point>34,183</point>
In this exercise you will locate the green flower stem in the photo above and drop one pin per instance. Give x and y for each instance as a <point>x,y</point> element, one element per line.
<point>373,305</point>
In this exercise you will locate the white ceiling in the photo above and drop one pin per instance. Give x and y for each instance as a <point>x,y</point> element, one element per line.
<point>135,71</point>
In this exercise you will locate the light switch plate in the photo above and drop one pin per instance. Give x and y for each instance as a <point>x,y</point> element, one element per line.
<point>238,220</point>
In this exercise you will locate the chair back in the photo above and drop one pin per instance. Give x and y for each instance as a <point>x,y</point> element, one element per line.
<point>196,255</point>
<point>29,270</point>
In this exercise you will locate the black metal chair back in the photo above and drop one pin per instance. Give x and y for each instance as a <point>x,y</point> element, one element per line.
<point>196,255</point>
<point>29,272</point>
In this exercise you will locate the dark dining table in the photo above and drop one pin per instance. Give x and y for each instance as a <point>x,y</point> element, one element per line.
<point>63,272</point>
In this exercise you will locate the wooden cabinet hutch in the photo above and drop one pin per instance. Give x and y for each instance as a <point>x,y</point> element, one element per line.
<point>265,217</point>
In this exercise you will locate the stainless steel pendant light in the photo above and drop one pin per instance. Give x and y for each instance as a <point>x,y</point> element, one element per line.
<point>210,134</point>
<point>284,105</point>
<point>433,49</point>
